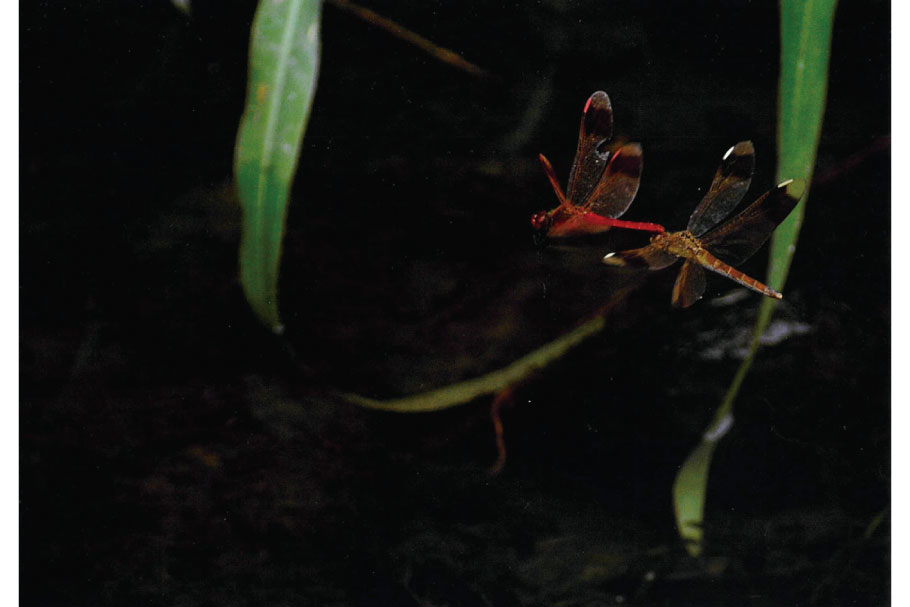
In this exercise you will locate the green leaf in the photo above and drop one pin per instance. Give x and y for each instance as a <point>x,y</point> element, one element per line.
<point>284,61</point>
<point>805,29</point>
<point>689,490</point>
<point>183,6</point>
<point>490,383</point>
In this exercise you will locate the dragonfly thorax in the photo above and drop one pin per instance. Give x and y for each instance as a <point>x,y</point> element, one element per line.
<point>681,244</point>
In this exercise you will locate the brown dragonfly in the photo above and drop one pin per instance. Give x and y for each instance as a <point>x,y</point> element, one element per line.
<point>729,244</point>
<point>602,184</point>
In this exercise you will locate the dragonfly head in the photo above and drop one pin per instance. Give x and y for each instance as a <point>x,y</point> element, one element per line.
<point>541,221</point>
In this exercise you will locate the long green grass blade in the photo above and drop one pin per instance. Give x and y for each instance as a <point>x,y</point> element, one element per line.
<point>490,383</point>
<point>284,61</point>
<point>806,27</point>
<point>805,30</point>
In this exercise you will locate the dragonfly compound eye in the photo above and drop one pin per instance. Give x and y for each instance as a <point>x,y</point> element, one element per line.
<point>541,220</point>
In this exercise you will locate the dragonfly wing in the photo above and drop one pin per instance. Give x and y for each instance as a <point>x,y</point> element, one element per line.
<point>729,186</point>
<point>649,257</point>
<point>595,130</point>
<point>689,286</point>
<point>618,183</point>
<point>554,182</point>
<point>736,241</point>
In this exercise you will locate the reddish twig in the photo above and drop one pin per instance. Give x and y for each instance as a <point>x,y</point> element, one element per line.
<point>440,53</point>
<point>879,144</point>
<point>502,399</point>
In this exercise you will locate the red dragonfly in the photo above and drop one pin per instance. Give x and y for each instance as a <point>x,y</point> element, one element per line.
<point>720,248</point>
<point>601,185</point>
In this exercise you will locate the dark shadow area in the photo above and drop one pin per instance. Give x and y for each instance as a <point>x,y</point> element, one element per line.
<point>174,453</point>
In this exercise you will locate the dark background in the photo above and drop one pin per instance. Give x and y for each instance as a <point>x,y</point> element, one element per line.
<point>172,452</point>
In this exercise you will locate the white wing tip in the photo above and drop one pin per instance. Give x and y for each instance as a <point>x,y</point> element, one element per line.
<point>730,151</point>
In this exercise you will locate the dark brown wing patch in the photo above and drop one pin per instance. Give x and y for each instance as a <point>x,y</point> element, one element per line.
<point>595,130</point>
<point>736,241</point>
<point>618,184</point>
<point>689,286</point>
<point>731,181</point>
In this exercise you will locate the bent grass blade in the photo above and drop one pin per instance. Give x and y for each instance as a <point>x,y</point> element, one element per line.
<point>805,27</point>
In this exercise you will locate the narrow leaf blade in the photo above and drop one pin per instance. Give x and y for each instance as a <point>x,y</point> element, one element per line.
<point>284,61</point>
<point>689,490</point>
<point>806,27</point>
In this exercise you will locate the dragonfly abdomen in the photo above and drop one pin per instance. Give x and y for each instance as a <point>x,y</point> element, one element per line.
<point>712,263</point>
